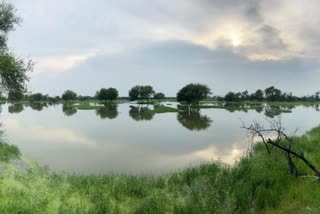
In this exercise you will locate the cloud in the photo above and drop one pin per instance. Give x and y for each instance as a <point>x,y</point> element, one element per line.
<point>60,63</point>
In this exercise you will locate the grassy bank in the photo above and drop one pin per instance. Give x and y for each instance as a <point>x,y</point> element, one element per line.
<point>258,183</point>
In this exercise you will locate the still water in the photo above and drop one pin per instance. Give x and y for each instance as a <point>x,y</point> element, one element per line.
<point>129,139</point>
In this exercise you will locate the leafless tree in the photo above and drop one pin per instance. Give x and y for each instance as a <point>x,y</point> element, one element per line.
<point>274,136</point>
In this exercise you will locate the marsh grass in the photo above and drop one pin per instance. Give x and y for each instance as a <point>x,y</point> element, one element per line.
<point>164,109</point>
<point>258,183</point>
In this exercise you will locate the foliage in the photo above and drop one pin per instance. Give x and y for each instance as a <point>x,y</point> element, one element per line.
<point>193,93</point>
<point>140,92</point>
<point>107,94</point>
<point>15,95</point>
<point>257,183</point>
<point>69,95</point>
<point>13,70</point>
<point>38,97</point>
<point>159,96</point>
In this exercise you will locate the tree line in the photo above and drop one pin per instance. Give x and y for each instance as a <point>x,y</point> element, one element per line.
<point>190,94</point>
<point>269,94</point>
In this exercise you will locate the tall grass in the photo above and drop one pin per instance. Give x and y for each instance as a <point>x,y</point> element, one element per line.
<point>259,183</point>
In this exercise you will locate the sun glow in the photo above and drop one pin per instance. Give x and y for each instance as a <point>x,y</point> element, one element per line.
<point>236,40</point>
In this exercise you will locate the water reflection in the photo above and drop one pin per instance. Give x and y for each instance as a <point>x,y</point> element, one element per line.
<point>109,111</point>
<point>193,120</point>
<point>15,108</point>
<point>38,106</point>
<point>69,110</point>
<point>141,113</point>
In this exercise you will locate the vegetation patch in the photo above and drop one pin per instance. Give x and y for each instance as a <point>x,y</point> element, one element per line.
<point>164,109</point>
<point>259,183</point>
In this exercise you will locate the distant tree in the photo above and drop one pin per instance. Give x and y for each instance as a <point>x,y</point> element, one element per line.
<point>258,95</point>
<point>273,94</point>
<point>37,97</point>
<point>134,93</point>
<point>13,70</point>
<point>245,95</point>
<point>193,93</point>
<point>159,96</point>
<point>15,95</point>
<point>69,95</point>
<point>146,92</point>
<point>140,92</point>
<point>107,94</point>
<point>232,97</point>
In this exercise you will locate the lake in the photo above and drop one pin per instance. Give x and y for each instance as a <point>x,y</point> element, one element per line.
<point>129,139</point>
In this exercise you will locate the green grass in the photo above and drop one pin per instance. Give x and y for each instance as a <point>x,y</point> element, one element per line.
<point>164,109</point>
<point>258,183</point>
<point>86,106</point>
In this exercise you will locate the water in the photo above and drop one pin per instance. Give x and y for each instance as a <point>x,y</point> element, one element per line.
<point>124,139</point>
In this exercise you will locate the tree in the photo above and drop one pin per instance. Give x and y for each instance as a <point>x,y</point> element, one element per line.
<point>15,95</point>
<point>13,70</point>
<point>193,93</point>
<point>37,97</point>
<point>69,95</point>
<point>107,94</point>
<point>258,95</point>
<point>146,92</point>
<point>273,94</point>
<point>232,97</point>
<point>139,92</point>
<point>134,93</point>
<point>159,96</point>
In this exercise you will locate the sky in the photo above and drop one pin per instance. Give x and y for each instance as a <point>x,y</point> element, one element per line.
<point>230,45</point>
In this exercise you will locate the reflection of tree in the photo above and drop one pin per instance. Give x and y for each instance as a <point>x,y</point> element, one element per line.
<point>108,111</point>
<point>141,113</point>
<point>69,110</point>
<point>37,106</point>
<point>15,108</point>
<point>272,111</point>
<point>193,120</point>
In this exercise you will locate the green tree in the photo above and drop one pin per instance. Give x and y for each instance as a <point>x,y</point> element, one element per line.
<point>146,92</point>
<point>232,97</point>
<point>15,95</point>
<point>134,93</point>
<point>193,93</point>
<point>159,96</point>
<point>13,70</point>
<point>258,95</point>
<point>273,94</point>
<point>140,92</point>
<point>69,95</point>
<point>107,94</point>
<point>37,97</point>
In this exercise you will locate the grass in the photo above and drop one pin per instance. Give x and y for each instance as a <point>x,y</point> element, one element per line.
<point>86,107</point>
<point>164,109</point>
<point>259,183</point>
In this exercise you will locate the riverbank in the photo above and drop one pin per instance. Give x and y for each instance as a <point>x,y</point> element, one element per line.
<point>257,183</point>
